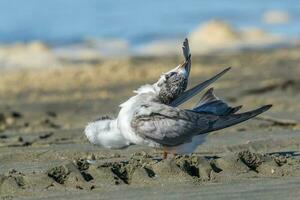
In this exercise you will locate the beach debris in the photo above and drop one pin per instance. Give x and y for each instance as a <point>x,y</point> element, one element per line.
<point>16,114</point>
<point>46,135</point>
<point>59,174</point>
<point>252,160</point>
<point>2,122</point>
<point>48,122</point>
<point>8,120</point>
<point>82,164</point>
<point>51,114</point>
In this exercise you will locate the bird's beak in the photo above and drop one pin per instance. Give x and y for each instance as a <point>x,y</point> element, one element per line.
<point>187,56</point>
<point>186,65</point>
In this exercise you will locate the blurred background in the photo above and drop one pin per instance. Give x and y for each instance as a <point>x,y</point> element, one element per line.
<point>138,22</point>
<point>120,28</point>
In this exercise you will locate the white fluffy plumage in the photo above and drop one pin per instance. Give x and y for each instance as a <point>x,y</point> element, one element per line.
<point>105,133</point>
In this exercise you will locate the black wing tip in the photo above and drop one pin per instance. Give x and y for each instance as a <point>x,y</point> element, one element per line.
<point>265,108</point>
<point>259,111</point>
<point>227,69</point>
<point>223,72</point>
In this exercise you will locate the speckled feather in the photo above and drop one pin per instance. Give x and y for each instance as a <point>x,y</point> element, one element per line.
<point>174,86</point>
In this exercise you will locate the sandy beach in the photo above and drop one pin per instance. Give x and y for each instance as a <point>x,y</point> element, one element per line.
<point>44,110</point>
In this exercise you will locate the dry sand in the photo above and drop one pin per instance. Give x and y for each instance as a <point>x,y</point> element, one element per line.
<point>43,149</point>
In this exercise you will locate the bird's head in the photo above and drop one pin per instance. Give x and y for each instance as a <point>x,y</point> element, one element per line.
<point>173,83</point>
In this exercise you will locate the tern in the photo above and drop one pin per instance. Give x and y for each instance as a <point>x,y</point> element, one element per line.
<point>105,131</point>
<point>151,118</point>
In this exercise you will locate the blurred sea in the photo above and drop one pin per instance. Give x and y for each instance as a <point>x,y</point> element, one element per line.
<point>137,22</point>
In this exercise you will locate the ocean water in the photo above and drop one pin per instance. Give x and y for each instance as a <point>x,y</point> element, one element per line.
<point>135,21</point>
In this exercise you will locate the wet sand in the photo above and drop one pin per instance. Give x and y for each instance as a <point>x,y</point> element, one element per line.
<point>43,150</point>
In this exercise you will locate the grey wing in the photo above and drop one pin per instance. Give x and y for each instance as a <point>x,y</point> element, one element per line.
<point>195,90</point>
<point>169,126</point>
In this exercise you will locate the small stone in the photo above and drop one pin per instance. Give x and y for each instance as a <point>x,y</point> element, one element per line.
<point>91,157</point>
<point>272,171</point>
<point>82,164</point>
<point>16,114</point>
<point>59,174</point>
<point>9,121</point>
<point>51,114</point>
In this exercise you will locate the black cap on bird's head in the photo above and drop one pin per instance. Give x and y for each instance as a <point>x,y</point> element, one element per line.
<point>174,82</point>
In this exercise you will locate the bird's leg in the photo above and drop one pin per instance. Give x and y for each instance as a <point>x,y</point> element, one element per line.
<point>167,151</point>
<point>165,154</point>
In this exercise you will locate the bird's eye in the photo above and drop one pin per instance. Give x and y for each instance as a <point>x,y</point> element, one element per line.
<point>170,74</point>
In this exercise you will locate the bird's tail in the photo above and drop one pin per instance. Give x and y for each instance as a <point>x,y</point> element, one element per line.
<point>232,119</point>
<point>211,104</point>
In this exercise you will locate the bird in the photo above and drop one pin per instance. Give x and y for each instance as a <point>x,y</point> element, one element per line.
<point>151,118</point>
<point>171,88</point>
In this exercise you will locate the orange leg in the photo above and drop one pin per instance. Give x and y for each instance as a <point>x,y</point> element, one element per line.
<point>168,151</point>
<point>165,154</point>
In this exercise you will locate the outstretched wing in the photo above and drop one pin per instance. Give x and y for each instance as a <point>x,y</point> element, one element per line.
<point>169,126</point>
<point>210,103</point>
<point>195,90</point>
